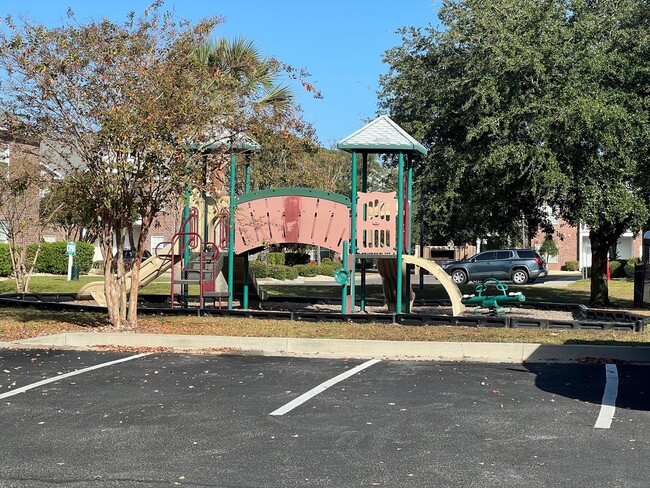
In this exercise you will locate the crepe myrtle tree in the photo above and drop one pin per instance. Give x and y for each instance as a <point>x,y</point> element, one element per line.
<point>22,180</point>
<point>127,99</point>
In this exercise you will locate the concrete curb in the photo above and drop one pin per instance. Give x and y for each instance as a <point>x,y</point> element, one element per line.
<point>479,352</point>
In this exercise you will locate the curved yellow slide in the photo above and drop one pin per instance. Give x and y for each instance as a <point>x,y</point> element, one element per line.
<point>441,275</point>
<point>150,270</point>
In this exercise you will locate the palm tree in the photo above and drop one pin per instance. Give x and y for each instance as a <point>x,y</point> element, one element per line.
<point>253,77</point>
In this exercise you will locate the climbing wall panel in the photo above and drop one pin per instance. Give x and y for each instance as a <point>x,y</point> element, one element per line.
<point>376,223</point>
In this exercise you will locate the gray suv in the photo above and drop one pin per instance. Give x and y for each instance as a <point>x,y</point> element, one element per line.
<point>519,265</point>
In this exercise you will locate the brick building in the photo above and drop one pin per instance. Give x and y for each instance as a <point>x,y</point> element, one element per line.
<point>13,152</point>
<point>574,245</point>
<point>22,211</point>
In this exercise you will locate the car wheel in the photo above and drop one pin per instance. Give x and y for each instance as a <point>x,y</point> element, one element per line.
<point>459,276</point>
<point>519,277</point>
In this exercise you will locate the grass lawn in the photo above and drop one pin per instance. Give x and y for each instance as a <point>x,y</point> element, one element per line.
<point>22,323</point>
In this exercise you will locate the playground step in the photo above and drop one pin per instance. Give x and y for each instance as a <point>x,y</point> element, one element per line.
<point>196,266</point>
<point>196,275</point>
<point>196,256</point>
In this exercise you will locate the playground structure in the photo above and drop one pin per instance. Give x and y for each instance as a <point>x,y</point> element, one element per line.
<point>364,225</point>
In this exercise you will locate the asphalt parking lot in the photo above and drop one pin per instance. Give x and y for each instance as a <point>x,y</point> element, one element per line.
<point>243,421</point>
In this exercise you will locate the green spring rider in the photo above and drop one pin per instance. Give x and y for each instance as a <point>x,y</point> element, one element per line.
<point>492,304</point>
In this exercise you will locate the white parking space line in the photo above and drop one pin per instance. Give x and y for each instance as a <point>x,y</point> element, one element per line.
<point>322,387</point>
<point>608,404</point>
<point>23,389</point>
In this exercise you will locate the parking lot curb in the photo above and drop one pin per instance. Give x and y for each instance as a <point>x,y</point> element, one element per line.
<point>479,352</point>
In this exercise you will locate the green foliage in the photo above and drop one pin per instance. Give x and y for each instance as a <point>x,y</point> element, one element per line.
<point>549,247</point>
<point>295,258</point>
<point>629,267</point>
<point>53,258</point>
<point>275,271</point>
<point>311,270</point>
<point>616,269</point>
<point>5,260</point>
<point>524,104</point>
<point>326,260</point>
<point>571,266</point>
<point>275,258</point>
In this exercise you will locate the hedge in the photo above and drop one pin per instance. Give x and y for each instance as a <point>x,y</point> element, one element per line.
<point>275,258</point>
<point>629,267</point>
<point>53,257</point>
<point>323,269</point>
<point>616,269</point>
<point>264,270</point>
<point>571,266</point>
<point>5,260</point>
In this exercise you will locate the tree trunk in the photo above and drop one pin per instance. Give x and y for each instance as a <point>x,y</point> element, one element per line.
<point>112,290</point>
<point>132,312</point>
<point>599,286</point>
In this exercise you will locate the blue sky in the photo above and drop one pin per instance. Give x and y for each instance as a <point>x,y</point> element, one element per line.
<point>339,42</point>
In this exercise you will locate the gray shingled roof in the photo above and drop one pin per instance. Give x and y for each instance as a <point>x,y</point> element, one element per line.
<point>220,137</point>
<point>382,135</point>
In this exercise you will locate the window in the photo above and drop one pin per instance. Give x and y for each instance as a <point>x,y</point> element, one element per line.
<point>3,233</point>
<point>527,253</point>
<point>155,240</point>
<point>550,214</point>
<point>504,254</point>
<point>486,256</point>
<point>547,258</point>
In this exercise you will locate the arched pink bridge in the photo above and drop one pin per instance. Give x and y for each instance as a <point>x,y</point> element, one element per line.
<point>291,215</point>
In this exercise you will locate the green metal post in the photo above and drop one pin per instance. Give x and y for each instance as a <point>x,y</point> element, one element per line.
<point>231,231</point>
<point>400,231</point>
<point>204,194</point>
<point>364,188</point>
<point>344,291</point>
<point>353,228</point>
<point>185,240</point>
<point>409,197</point>
<point>409,239</point>
<point>247,189</point>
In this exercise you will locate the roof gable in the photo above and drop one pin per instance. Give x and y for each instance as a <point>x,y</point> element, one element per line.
<point>380,136</point>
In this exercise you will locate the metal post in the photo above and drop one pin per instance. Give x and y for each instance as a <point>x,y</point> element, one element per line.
<point>364,188</point>
<point>185,241</point>
<point>421,232</point>
<point>409,245</point>
<point>231,231</point>
<point>204,194</point>
<point>247,189</point>
<point>400,232</point>
<point>353,228</point>
<point>344,291</point>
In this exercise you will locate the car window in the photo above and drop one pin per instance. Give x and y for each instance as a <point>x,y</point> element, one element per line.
<point>504,254</point>
<point>526,253</point>
<point>485,256</point>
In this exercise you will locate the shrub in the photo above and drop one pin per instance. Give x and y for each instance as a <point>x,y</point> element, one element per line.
<point>616,269</point>
<point>5,260</point>
<point>629,267</point>
<point>571,266</point>
<point>326,260</point>
<point>296,258</point>
<point>549,247</point>
<point>264,270</point>
<point>54,259</point>
<point>275,258</point>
